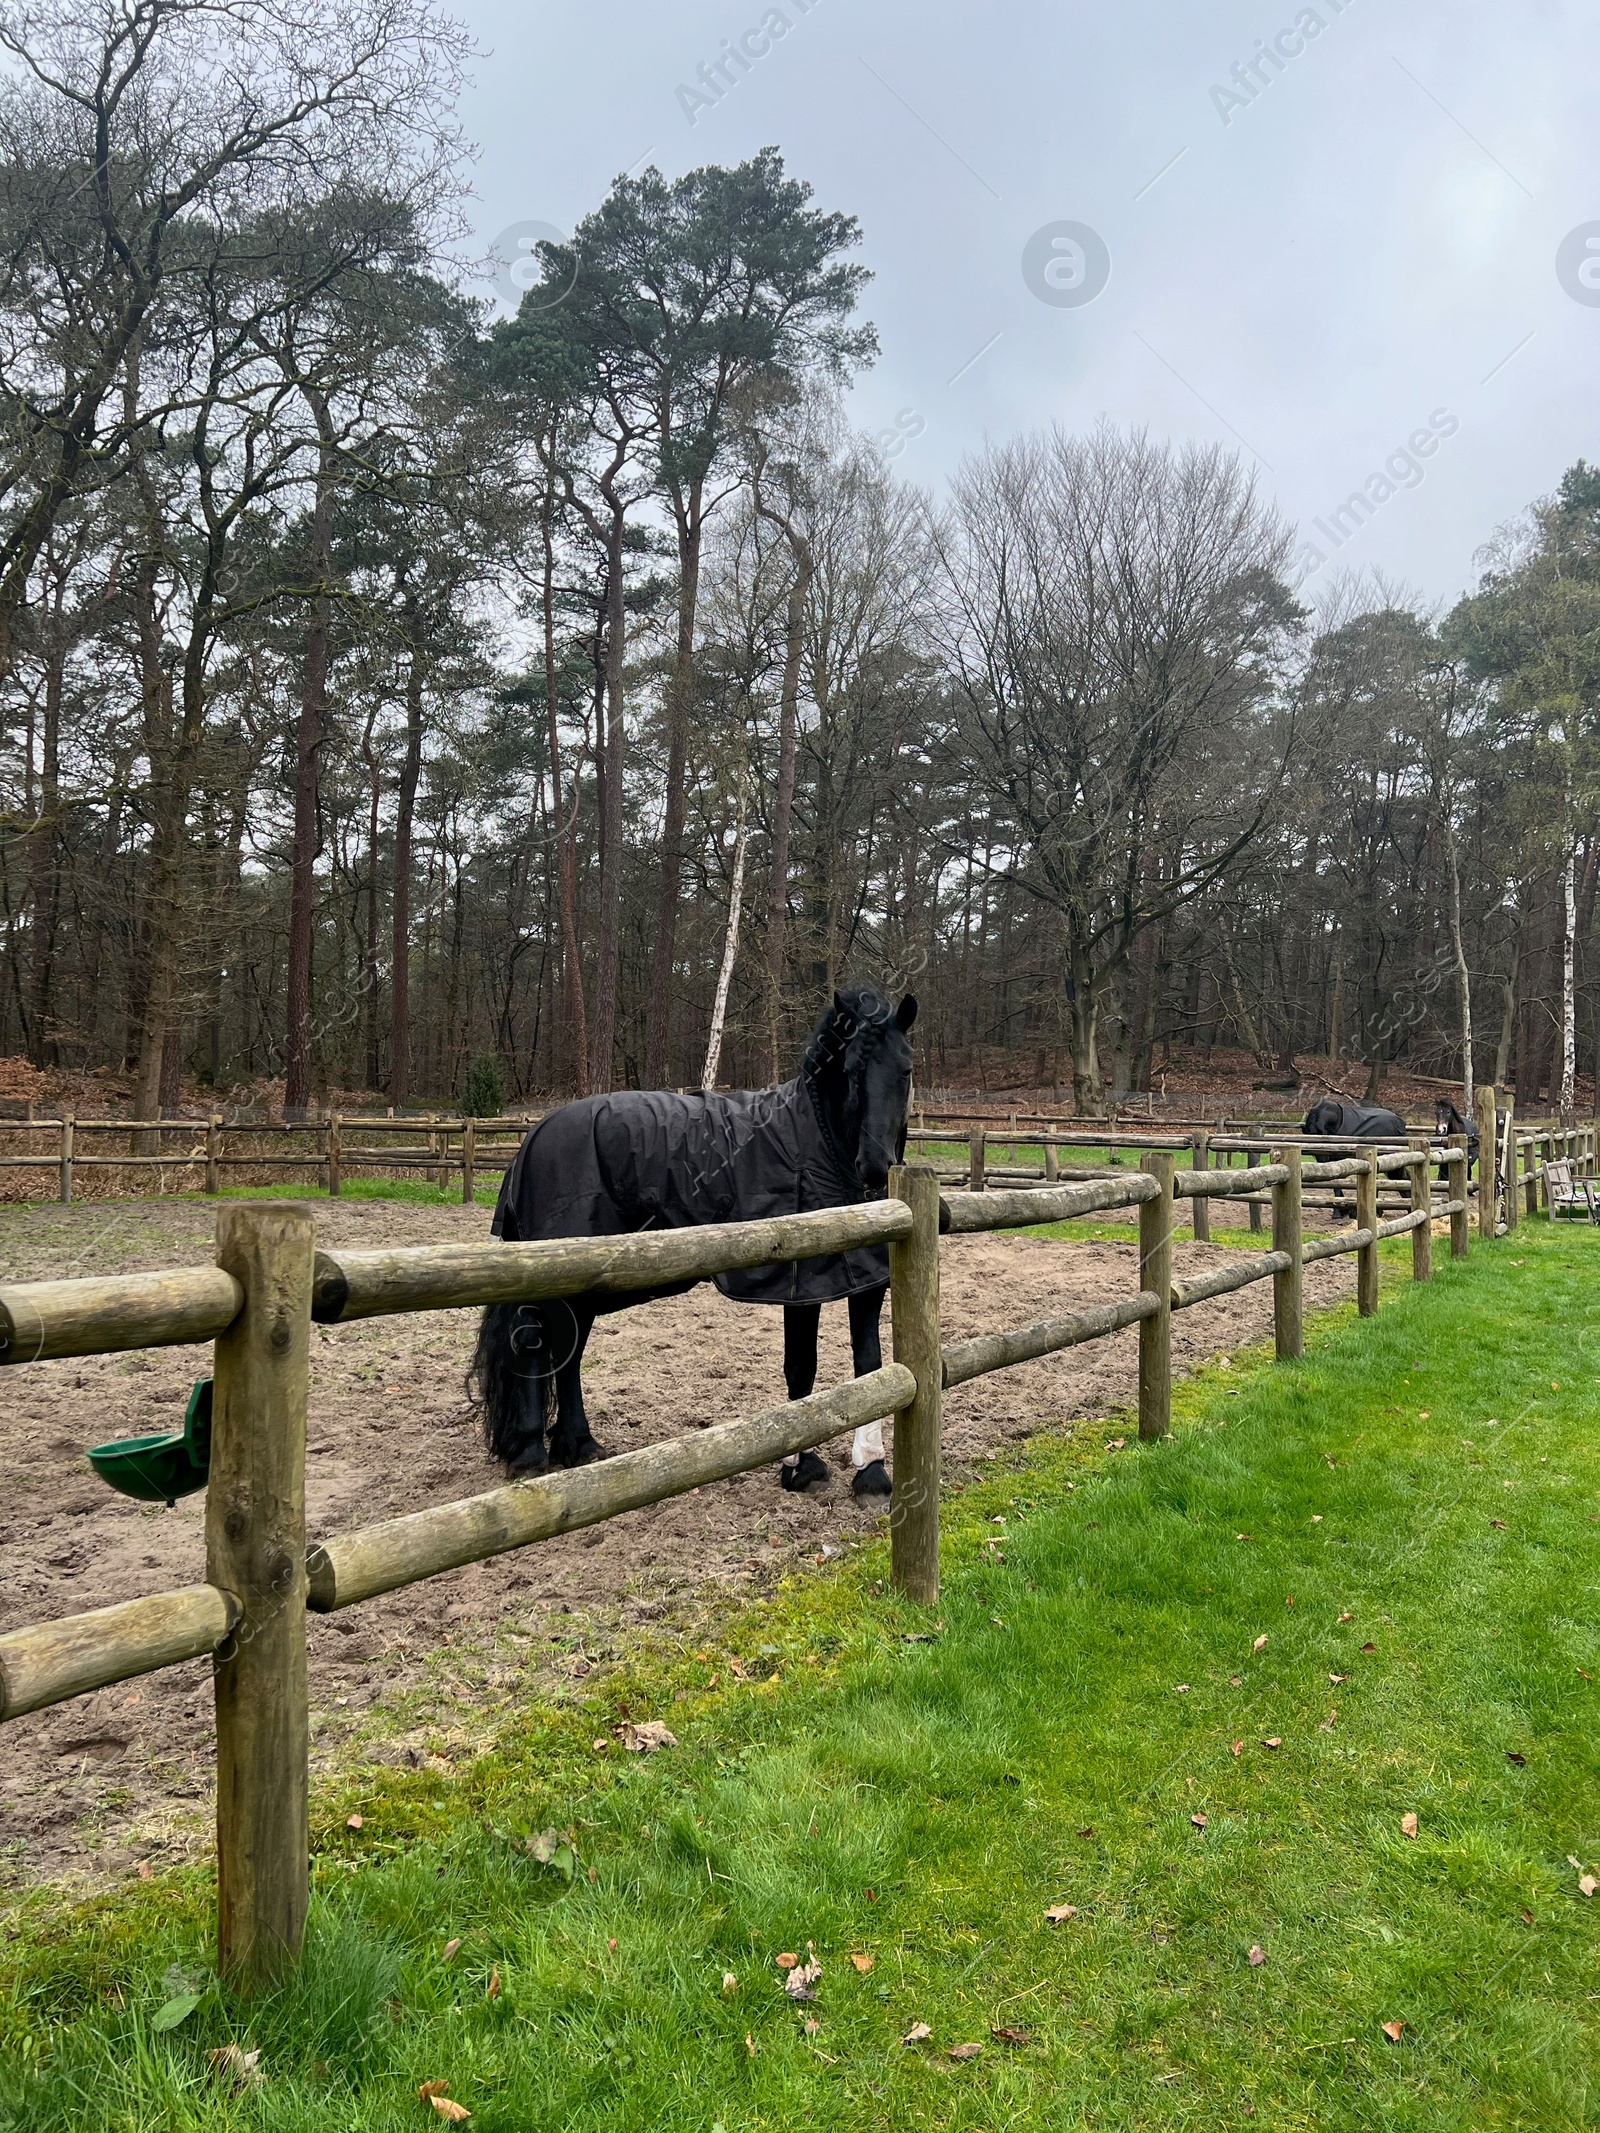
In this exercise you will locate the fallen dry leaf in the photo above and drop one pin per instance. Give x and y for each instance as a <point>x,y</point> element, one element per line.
<point>1393,2031</point>
<point>749,2044</point>
<point>352,1822</point>
<point>1236,1681</point>
<point>1347,1616</point>
<point>1337,1678</point>
<point>430,2089</point>
<point>450,1949</point>
<point>1113,1444</point>
<point>601,1746</point>
<point>1288,1599</point>
<point>448,2108</point>
<point>1272,1741</point>
<point>1258,1956</point>
<point>1587,1884</point>
<point>1182,1689</point>
<point>965,2051</point>
<point>730,1984</point>
<point>242,2068</point>
<point>647,1738</point>
<point>787,1960</point>
<point>918,2033</point>
<point>1059,1913</point>
<point>1012,2036</point>
<point>1527,1918</point>
<point>863,1963</point>
<point>813,2026</point>
<point>1369,1647</point>
<point>1513,1757</point>
<point>1201,1821</point>
<point>147,1871</point>
<point>1238,1747</point>
<point>801,1982</point>
<point>1260,1644</point>
<point>1408,1825</point>
<point>1500,1522</point>
<point>494,1981</point>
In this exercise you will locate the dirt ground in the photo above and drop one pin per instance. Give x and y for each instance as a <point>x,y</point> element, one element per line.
<point>92,1787</point>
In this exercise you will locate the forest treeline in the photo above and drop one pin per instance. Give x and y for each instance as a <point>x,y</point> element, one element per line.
<point>392,688</point>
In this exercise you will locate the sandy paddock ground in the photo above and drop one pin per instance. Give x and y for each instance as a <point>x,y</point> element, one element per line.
<point>90,1788</point>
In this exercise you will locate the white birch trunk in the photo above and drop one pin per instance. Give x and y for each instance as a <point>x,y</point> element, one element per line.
<point>1463,979</point>
<point>1569,1009</point>
<point>730,955</point>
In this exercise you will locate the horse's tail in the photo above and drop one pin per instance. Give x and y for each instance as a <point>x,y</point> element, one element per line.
<point>507,1396</point>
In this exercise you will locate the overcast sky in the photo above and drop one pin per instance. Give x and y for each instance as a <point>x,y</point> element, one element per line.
<point>1310,265</point>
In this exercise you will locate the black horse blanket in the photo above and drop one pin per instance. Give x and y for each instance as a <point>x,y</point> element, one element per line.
<point>645,1159</point>
<point>1354,1121</point>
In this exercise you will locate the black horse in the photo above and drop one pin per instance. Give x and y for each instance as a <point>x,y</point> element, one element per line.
<point>1362,1122</point>
<point>611,1165</point>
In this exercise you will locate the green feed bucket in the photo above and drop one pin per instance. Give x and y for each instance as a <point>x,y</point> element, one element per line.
<point>161,1469</point>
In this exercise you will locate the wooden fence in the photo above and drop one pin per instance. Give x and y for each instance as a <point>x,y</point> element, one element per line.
<point>440,1150</point>
<point>270,1284</point>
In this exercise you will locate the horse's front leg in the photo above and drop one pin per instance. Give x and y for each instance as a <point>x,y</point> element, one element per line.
<point>871,1476</point>
<point>801,1470</point>
<point>572,1442</point>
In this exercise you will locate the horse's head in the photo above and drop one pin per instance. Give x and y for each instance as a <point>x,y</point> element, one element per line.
<point>1447,1118</point>
<point>860,1059</point>
<point>1324,1117</point>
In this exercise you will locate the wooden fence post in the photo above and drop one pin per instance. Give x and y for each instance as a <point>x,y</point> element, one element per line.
<point>1367,1256</point>
<point>1530,1175</point>
<point>1052,1163</point>
<point>1456,1171</point>
<point>1155,1276</point>
<point>1488,1160</point>
<point>1252,1161</point>
<point>335,1157</point>
<point>1200,1206</point>
<point>1422,1235</point>
<point>914,1317</point>
<point>977,1149</point>
<point>469,1152</point>
<point>1509,1150</point>
<point>256,1550</point>
<point>1287,1285</point>
<point>213,1155</point>
<point>68,1134</point>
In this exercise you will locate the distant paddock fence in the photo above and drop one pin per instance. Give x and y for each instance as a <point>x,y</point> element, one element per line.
<point>270,1284</point>
<point>190,1155</point>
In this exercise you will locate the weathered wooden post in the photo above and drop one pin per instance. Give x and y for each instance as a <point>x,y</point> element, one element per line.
<point>1508,1145</point>
<point>1155,1277</point>
<point>1367,1256</point>
<point>977,1149</point>
<point>1052,1163</point>
<point>914,1317</point>
<point>1287,1236</point>
<point>1200,1206</point>
<point>1530,1175</point>
<point>68,1134</point>
<point>1456,1172</point>
<point>214,1154</point>
<point>1488,1160</point>
<point>1252,1161</point>
<point>335,1156</point>
<point>469,1153</point>
<point>256,1550</point>
<point>1422,1202</point>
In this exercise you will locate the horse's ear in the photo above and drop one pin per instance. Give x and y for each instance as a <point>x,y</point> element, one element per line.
<point>846,1020</point>
<point>906,1013</point>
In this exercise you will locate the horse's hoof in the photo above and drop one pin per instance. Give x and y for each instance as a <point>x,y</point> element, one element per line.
<point>871,1480</point>
<point>586,1452</point>
<point>534,1460</point>
<point>808,1473</point>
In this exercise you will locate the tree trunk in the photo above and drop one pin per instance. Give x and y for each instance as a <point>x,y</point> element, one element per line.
<point>602,1047</point>
<point>804,560</point>
<point>400,901</point>
<point>308,748</point>
<point>369,971</point>
<point>730,953</point>
<point>575,1037</point>
<point>1569,999</point>
<point>680,704</point>
<point>1459,952</point>
<point>45,842</point>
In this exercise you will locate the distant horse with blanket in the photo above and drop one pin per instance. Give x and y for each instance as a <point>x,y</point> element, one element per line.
<point>1358,1122</point>
<point>609,1166</point>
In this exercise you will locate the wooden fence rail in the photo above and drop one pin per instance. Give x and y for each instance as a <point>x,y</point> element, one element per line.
<point>259,1303</point>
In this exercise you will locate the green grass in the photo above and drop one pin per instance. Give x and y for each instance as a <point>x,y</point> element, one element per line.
<point>920,1791</point>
